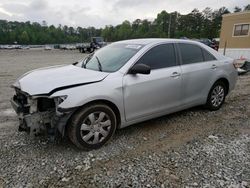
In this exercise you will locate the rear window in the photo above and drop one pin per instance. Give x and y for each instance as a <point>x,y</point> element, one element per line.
<point>190,53</point>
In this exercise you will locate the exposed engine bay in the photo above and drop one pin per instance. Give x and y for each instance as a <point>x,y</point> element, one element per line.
<point>38,115</point>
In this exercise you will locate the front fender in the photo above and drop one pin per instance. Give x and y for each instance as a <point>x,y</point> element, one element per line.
<point>109,90</point>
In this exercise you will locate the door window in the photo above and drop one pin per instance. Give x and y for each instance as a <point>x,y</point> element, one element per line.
<point>160,56</point>
<point>190,53</point>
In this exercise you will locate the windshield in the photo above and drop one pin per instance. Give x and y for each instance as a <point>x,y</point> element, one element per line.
<point>98,39</point>
<point>111,58</point>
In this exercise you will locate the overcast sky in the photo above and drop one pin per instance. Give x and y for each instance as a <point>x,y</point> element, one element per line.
<point>99,13</point>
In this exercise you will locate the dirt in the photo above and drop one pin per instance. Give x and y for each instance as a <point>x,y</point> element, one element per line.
<point>191,148</point>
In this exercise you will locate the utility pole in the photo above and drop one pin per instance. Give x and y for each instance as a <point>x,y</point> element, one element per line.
<point>169,25</point>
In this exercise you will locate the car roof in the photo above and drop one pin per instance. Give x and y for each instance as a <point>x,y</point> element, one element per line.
<point>147,41</point>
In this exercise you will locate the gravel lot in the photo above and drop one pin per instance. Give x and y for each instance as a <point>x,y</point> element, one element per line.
<point>192,148</point>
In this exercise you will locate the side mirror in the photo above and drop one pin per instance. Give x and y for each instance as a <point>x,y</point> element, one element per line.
<point>140,69</point>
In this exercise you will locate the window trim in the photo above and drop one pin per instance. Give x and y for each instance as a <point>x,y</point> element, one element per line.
<point>178,63</point>
<point>241,25</point>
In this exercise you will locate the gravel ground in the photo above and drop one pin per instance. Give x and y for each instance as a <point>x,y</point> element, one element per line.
<point>192,148</point>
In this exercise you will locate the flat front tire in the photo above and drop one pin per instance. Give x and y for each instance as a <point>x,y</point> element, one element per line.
<point>92,126</point>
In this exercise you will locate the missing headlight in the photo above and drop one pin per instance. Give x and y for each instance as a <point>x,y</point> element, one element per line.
<point>44,104</point>
<point>61,99</point>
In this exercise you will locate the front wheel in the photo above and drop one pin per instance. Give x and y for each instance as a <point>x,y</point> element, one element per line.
<point>92,127</point>
<point>216,96</point>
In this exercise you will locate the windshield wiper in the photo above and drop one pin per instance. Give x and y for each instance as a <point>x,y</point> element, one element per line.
<point>87,60</point>
<point>99,63</point>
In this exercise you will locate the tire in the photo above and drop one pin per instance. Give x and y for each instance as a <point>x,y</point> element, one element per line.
<point>216,96</point>
<point>92,126</point>
<point>91,50</point>
<point>82,50</point>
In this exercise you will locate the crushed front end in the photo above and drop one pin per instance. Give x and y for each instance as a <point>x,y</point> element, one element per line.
<point>39,114</point>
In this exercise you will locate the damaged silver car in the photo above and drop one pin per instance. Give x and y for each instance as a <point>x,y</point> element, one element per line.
<point>119,85</point>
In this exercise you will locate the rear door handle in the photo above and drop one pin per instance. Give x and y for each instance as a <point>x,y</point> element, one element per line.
<point>213,67</point>
<point>175,74</point>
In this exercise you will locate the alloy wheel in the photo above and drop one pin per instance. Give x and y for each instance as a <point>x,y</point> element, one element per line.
<point>217,96</point>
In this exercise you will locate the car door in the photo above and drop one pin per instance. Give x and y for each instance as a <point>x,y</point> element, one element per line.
<point>197,67</point>
<point>145,95</point>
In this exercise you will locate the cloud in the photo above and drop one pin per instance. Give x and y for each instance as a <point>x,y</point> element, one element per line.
<point>4,13</point>
<point>38,5</point>
<point>137,3</point>
<point>99,13</point>
<point>14,8</point>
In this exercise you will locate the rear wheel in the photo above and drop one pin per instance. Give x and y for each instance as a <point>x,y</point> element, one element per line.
<point>92,126</point>
<point>216,96</point>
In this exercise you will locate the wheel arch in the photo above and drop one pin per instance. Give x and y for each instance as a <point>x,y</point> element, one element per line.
<point>225,81</point>
<point>222,79</point>
<point>102,101</point>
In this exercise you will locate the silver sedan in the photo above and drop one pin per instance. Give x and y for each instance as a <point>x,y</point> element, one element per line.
<point>121,84</point>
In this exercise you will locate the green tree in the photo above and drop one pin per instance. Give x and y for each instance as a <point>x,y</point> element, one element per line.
<point>124,31</point>
<point>24,38</point>
<point>237,9</point>
<point>247,7</point>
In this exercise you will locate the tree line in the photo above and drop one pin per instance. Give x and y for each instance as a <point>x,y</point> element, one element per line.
<point>196,24</point>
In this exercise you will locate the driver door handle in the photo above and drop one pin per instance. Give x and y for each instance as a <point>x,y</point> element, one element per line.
<point>213,66</point>
<point>175,74</point>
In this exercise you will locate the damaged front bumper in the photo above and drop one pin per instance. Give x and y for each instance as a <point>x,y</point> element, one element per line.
<point>39,115</point>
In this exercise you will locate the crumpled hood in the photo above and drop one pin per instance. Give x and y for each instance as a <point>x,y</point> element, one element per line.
<point>45,80</point>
